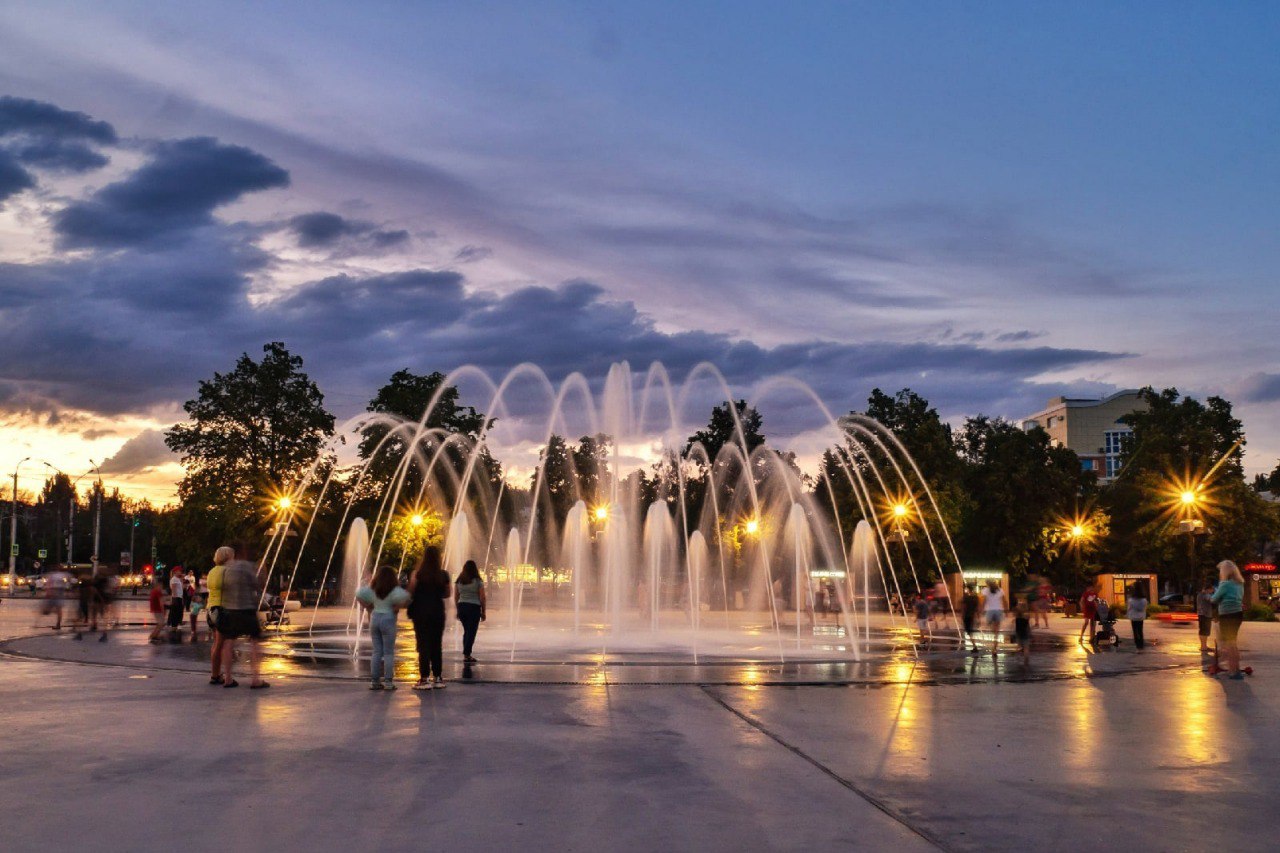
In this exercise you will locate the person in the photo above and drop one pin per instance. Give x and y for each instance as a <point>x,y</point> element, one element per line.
<point>383,597</point>
<point>238,617</point>
<point>213,606</point>
<point>468,597</point>
<point>1089,611</point>
<point>993,611</point>
<point>941,602</point>
<point>429,587</point>
<point>177,595</point>
<point>1204,615</point>
<point>969,605</point>
<point>56,584</point>
<point>1229,596</point>
<point>1137,613</point>
<point>1022,628</point>
<point>158,607</point>
<point>199,594</point>
<point>922,610</point>
<point>1041,603</point>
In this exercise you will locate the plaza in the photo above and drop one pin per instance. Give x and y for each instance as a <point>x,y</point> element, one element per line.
<point>1114,750</point>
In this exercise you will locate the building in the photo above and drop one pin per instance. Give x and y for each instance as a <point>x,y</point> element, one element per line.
<point>1091,428</point>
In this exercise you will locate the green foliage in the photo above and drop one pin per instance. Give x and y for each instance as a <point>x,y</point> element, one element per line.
<point>1020,483</point>
<point>1156,609</point>
<point>723,430</point>
<point>251,433</point>
<point>406,541</point>
<point>1259,613</point>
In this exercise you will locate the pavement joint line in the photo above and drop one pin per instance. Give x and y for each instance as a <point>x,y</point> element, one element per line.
<point>871,799</point>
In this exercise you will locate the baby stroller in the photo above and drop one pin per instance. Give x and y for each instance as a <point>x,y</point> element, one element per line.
<point>274,612</point>
<point>1106,634</point>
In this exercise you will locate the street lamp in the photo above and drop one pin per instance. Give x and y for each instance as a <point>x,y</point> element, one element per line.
<point>602,513</point>
<point>13,530</point>
<point>752,526</point>
<point>416,519</point>
<point>71,518</point>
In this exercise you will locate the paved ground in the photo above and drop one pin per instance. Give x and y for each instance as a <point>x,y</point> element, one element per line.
<point>139,758</point>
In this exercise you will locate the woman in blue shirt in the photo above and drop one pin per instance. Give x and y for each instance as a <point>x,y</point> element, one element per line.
<point>1230,600</point>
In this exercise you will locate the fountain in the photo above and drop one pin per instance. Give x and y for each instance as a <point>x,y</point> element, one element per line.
<point>755,568</point>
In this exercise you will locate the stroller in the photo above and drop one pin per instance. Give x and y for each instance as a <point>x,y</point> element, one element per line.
<point>1106,634</point>
<point>274,612</point>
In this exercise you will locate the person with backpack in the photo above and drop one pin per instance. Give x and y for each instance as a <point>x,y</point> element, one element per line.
<point>383,598</point>
<point>429,587</point>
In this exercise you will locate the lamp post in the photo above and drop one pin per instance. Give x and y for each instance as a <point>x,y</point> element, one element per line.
<point>97,518</point>
<point>71,522</point>
<point>1189,501</point>
<point>13,530</point>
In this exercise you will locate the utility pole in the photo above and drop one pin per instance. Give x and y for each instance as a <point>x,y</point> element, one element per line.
<point>13,533</point>
<point>97,523</point>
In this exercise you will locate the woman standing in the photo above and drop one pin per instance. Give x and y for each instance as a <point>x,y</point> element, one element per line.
<point>1137,614</point>
<point>468,594</point>
<point>213,607</point>
<point>1230,600</point>
<point>383,597</point>
<point>429,587</point>
<point>993,612</point>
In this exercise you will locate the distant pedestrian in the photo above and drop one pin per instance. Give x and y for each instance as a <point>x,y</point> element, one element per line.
<point>199,595</point>
<point>468,595</point>
<point>969,606</point>
<point>922,610</point>
<point>941,602</point>
<point>1137,613</point>
<point>56,583</point>
<point>157,606</point>
<point>1204,615</point>
<point>213,607</point>
<point>1229,597</point>
<point>1089,612</point>
<point>1040,602</point>
<point>429,587</point>
<point>1022,629</point>
<point>993,612</point>
<point>238,617</point>
<point>383,597</point>
<point>177,597</point>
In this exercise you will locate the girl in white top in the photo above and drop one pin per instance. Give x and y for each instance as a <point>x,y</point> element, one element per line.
<point>993,611</point>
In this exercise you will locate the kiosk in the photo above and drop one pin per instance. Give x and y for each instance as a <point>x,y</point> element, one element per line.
<point>979,578</point>
<point>1261,584</point>
<point>1113,586</point>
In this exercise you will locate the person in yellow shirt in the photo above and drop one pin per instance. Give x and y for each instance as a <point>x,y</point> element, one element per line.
<point>214,579</point>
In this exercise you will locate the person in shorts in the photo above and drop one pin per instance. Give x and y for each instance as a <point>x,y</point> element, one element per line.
<point>922,611</point>
<point>213,607</point>
<point>177,599</point>
<point>993,612</point>
<point>1229,597</point>
<point>241,594</point>
<point>156,605</point>
<point>1022,629</point>
<point>1089,612</point>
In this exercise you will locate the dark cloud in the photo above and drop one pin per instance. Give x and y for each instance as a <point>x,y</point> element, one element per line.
<point>323,230</point>
<point>13,178</point>
<point>174,193</point>
<point>37,118</point>
<point>144,451</point>
<point>60,155</point>
<point>471,254</point>
<point>1262,388</point>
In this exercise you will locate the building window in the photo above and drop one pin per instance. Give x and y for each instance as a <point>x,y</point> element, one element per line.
<point>1114,441</point>
<point>1086,465</point>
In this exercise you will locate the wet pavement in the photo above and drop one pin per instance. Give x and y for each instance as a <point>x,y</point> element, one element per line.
<point>122,745</point>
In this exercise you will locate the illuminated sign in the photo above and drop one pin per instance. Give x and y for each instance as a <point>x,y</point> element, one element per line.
<point>826,573</point>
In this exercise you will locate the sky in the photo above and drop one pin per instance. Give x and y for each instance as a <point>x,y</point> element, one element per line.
<point>992,204</point>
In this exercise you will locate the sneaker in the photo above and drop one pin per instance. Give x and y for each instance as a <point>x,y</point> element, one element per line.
<point>375,685</point>
<point>470,659</point>
<point>439,684</point>
<point>423,685</point>
<point>390,685</point>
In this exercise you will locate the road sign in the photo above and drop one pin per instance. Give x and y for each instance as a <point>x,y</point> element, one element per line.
<point>43,553</point>
<point>126,558</point>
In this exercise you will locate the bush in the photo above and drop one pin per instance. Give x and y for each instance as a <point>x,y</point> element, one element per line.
<point>1259,613</point>
<point>1153,609</point>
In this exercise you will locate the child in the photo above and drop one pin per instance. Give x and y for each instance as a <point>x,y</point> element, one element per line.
<point>158,607</point>
<point>198,597</point>
<point>1022,629</point>
<point>969,610</point>
<point>921,608</point>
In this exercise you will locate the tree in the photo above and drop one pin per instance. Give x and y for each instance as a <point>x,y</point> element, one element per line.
<point>1182,445</point>
<point>407,396</point>
<point>1020,483</point>
<point>251,433</point>
<point>722,430</point>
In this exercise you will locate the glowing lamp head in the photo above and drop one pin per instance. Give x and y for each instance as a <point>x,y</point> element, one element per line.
<point>1188,498</point>
<point>284,503</point>
<point>753,526</point>
<point>899,510</point>
<point>416,519</point>
<point>602,513</point>
<point>1077,531</point>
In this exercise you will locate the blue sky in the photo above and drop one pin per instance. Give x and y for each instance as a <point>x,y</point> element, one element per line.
<point>991,203</point>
